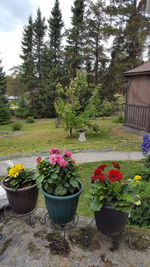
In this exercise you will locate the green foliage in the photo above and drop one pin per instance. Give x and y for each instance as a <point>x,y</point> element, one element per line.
<point>4,106</point>
<point>106,109</point>
<point>68,105</point>
<point>30,119</point>
<point>145,170</point>
<point>141,215</point>
<point>23,110</point>
<point>16,126</point>
<point>4,111</point>
<point>56,179</point>
<point>119,119</point>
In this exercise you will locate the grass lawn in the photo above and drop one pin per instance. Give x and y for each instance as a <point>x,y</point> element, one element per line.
<point>128,169</point>
<point>42,135</point>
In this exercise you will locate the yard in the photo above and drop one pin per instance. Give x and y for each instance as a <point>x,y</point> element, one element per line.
<point>42,135</point>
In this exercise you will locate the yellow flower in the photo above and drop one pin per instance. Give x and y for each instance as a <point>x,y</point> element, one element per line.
<point>15,170</point>
<point>137,203</point>
<point>137,178</point>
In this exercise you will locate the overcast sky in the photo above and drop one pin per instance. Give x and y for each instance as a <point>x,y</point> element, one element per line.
<point>13,16</point>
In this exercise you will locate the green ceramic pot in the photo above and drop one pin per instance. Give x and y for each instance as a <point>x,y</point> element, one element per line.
<point>61,209</point>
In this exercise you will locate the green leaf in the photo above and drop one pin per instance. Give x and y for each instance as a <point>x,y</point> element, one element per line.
<point>54,176</point>
<point>74,183</point>
<point>60,190</point>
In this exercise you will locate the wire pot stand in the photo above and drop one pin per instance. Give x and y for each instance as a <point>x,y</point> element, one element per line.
<point>62,227</point>
<point>28,215</point>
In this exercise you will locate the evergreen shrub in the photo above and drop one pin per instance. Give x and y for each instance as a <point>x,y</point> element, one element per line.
<point>30,119</point>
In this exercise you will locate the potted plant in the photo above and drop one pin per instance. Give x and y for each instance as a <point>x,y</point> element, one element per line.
<point>112,198</point>
<point>58,178</point>
<point>21,189</point>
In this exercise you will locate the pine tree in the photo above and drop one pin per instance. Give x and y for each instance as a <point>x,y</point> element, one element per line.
<point>74,53</point>
<point>4,106</point>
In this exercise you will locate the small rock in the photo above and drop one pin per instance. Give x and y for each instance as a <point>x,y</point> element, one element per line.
<point>3,198</point>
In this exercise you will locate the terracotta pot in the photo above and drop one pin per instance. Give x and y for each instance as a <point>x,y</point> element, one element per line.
<point>22,200</point>
<point>110,221</point>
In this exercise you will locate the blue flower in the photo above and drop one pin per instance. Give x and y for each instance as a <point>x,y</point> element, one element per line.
<point>145,143</point>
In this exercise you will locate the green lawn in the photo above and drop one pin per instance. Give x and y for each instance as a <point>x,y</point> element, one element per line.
<point>42,135</point>
<point>128,169</point>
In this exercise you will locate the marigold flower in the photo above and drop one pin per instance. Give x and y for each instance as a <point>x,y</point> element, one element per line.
<point>138,203</point>
<point>15,170</point>
<point>115,175</point>
<point>137,178</point>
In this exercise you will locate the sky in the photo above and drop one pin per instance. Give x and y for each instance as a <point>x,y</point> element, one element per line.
<point>14,16</point>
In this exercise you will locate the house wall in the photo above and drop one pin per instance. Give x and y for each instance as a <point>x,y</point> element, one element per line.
<point>139,91</point>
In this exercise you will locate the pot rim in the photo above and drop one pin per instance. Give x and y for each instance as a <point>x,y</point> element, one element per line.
<point>19,189</point>
<point>63,197</point>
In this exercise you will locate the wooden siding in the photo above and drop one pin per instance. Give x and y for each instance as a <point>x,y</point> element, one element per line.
<point>138,117</point>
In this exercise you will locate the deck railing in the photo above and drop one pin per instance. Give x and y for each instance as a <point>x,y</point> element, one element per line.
<point>138,117</point>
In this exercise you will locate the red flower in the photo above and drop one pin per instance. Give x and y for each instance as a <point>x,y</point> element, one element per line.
<point>97,171</point>
<point>115,175</point>
<point>100,177</point>
<point>116,165</point>
<point>102,167</point>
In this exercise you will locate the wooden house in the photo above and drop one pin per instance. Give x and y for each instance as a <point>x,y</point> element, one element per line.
<point>137,110</point>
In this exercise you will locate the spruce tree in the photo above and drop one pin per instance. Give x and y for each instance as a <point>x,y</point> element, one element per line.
<point>38,51</point>
<point>4,106</point>
<point>94,36</point>
<point>28,66</point>
<point>130,27</point>
<point>74,53</point>
<point>55,68</point>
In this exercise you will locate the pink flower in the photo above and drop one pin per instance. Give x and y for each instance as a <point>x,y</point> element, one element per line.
<point>63,163</point>
<point>38,160</point>
<point>59,157</point>
<point>54,150</point>
<point>53,159</point>
<point>67,153</point>
<point>73,160</point>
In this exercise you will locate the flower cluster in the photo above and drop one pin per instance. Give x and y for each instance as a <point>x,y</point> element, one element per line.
<point>113,175</point>
<point>58,173</point>
<point>19,177</point>
<point>109,188</point>
<point>145,143</point>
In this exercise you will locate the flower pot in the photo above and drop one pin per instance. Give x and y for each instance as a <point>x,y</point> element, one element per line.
<point>22,201</point>
<point>110,221</point>
<point>61,209</point>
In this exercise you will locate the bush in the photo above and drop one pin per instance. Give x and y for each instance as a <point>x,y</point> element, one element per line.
<point>30,120</point>
<point>106,109</point>
<point>119,119</point>
<point>16,126</point>
<point>140,215</point>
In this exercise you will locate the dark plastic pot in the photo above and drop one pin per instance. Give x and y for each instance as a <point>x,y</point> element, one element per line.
<point>110,221</point>
<point>61,210</point>
<point>22,201</point>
